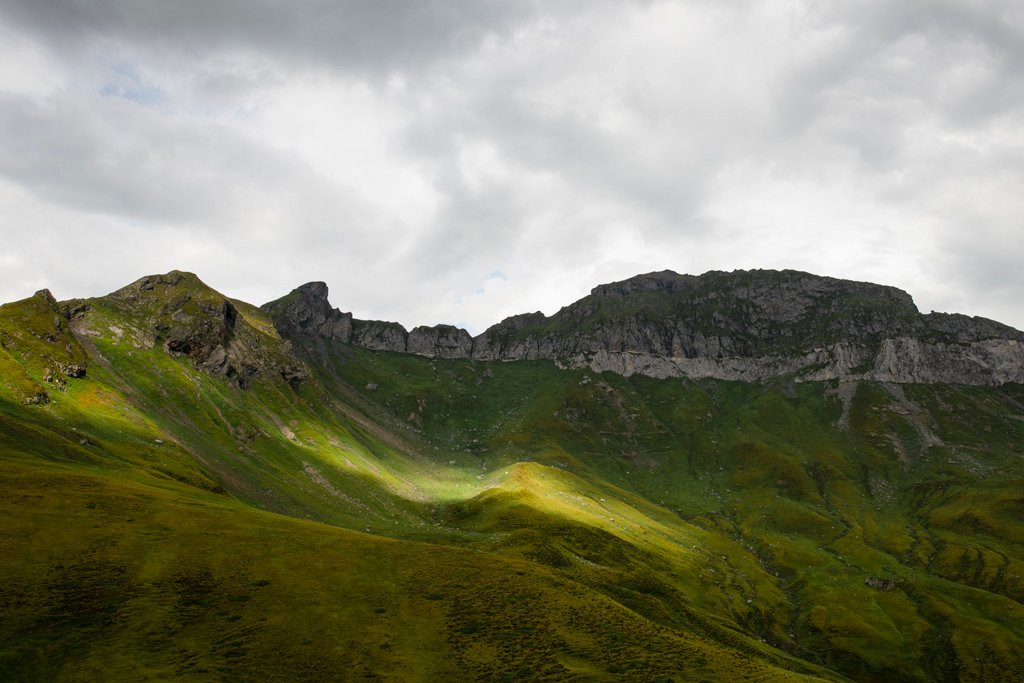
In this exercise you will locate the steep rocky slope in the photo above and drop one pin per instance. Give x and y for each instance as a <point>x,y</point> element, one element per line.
<point>744,325</point>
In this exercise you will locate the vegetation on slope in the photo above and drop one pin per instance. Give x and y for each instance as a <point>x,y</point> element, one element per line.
<point>872,529</point>
<point>166,517</point>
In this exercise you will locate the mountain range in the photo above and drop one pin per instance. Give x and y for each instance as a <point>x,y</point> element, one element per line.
<point>755,475</point>
<point>746,326</point>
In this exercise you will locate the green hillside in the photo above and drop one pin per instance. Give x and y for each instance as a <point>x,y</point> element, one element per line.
<point>187,495</point>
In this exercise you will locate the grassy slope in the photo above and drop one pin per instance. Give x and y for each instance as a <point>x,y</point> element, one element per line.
<point>608,526</point>
<point>780,515</point>
<point>107,578</point>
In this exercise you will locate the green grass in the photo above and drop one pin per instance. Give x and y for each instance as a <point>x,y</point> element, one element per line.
<point>107,579</point>
<point>410,518</point>
<point>797,512</point>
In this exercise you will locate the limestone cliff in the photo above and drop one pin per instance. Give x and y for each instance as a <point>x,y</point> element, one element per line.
<point>755,325</point>
<point>743,325</point>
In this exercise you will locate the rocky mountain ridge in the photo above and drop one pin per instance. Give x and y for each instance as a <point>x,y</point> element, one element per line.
<point>744,325</point>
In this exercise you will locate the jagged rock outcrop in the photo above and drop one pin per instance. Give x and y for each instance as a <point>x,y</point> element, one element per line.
<point>204,337</point>
<point>440,341</point>
<point>72,370</point>
<point>379,335</point>
<point>306,311</point>
<point>743,325</point>
<point>503,342</point>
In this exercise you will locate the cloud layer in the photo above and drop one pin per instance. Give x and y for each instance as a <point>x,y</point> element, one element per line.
<point>460,162</point>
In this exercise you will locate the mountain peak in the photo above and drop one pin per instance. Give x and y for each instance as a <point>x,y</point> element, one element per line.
<point>46,296</point>
<point>316,291</point>
<point>306,311</point>
<point>173,283</point>
<point>646,282</point>
<point>187,318</point>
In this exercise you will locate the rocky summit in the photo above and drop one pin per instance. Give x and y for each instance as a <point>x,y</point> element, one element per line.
<point>744,325</point>
<point>746,476</point>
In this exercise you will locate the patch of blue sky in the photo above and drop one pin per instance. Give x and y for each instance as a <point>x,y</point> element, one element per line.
<point>125,83</point>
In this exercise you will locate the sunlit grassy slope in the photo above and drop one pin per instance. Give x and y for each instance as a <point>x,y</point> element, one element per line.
<point>404,518</point>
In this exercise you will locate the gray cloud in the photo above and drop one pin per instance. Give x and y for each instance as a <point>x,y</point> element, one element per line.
<point>459,162</point>
<point>107,157</point>
<point>351,34</point>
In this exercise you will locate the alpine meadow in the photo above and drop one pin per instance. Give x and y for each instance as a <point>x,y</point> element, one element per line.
<point>748,475</point>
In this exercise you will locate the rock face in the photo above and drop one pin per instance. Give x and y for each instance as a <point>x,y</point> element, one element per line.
<point>205,336</point>
<point>440,341</point>
<point>755,325</point>
<point>306,311</point>
<point>72,370</point>
<point>743,325</point>
<point>379,335</point>
<point>504,341</point>
<point>305,314</point>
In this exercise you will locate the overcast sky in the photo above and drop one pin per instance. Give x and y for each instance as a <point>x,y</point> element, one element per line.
<point>460,161</point>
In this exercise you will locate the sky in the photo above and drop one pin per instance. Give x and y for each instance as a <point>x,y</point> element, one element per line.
<point>459,162</point>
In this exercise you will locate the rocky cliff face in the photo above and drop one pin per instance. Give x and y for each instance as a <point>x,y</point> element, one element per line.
<point>306,311</point>
<point>440,341</point>
<point>755,325</point>
<point>379,335</point>
<point>305,314</point>
<point>744,325</point>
